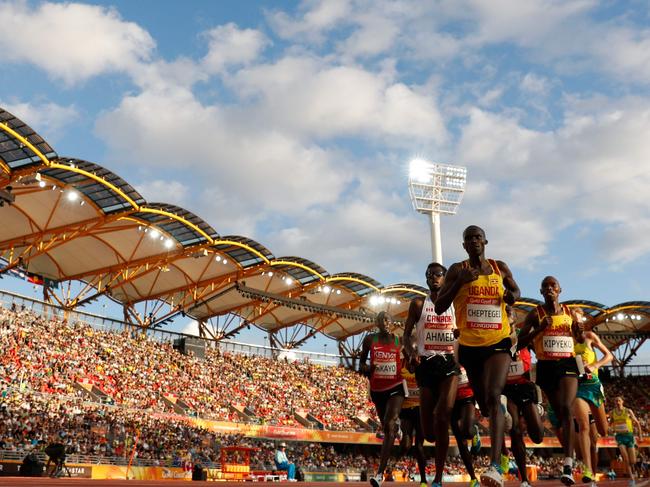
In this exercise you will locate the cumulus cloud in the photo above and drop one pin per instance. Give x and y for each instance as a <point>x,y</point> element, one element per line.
<point>164,191</point>
<point>229,45</point>
<point>47,118</point>
<point>71,41</point>
<point>305,95</point>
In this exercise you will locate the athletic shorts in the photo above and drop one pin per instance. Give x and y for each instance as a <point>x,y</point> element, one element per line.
<point>432,370</point>
<point>380,398</point>
<point>521,394</point>
<point>549,372</point>
<point>625,439</point>
<point>412,415</point>
<point>591,390</point>
<point>473,358</point>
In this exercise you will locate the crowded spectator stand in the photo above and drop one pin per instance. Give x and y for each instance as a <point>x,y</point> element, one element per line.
<point>236,462</point>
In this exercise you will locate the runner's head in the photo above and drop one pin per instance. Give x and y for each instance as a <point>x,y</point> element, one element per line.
<point>618,402</point>
<point>383,322</point>
<point>550,288</point>
<point>474,241</point>
<point>435,275</point>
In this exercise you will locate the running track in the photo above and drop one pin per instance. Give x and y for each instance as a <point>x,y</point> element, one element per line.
<point>67,482</point>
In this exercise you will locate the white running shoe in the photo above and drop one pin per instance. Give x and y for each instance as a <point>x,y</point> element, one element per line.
<point>567,476</point>
<point>492,477</point>
<point>525,483</point>
<point>377,480</point>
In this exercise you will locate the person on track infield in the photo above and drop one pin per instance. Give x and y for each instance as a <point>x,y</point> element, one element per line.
<point>387,387</point>
<point>436,370</point>
<point>622,420</point>
<point>590,399</point>
<point>282,462</point>
<point>410,423</point>
<point>479,290</point>
<point>552,328</point>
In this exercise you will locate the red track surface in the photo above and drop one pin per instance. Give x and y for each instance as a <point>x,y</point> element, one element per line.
<point>67,482</point>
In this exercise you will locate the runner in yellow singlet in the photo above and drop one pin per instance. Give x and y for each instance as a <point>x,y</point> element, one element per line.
<point>590,399</point>
<point>552,328</point>
<point>623,420</point>
<point>479,290</point>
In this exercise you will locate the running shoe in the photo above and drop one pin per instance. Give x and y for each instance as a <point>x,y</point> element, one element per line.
<point>631,483</point>
<point>505,463</point>
<point>587,475</point>
<point>474,483</point>
<point>424,484</point>
<point>492,476</point>
<point>436,484</point>
<point>377,480</point>
<point>525,483</point>
<point>476,441</point>
<point>567,475</point>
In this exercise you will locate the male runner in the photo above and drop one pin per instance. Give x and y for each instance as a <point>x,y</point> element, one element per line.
<point>622,419</point>
<point>552,326</point>
<point>386,384</point>
<point>590,399</point>
<point>436,367</point>
<point>479,289</point>
<point>522,405</point>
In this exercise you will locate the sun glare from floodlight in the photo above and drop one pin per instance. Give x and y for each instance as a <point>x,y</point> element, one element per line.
<point>73,195</point>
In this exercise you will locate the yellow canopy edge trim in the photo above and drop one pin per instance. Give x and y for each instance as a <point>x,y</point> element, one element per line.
<point>297,264</point>
<point>56,165</point>
<point>352,279</point>
<point>243,246</point>
<point>178,218</point>
<point>403,289</point>
<point>11,131</point>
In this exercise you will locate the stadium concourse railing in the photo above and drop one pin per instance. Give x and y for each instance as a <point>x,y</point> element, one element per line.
<point>49,310</point>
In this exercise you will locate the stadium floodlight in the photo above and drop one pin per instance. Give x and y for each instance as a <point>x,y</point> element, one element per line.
<point>436,189</point>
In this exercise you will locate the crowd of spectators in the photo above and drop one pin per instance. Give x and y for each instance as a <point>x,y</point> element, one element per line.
<point>51,356</point>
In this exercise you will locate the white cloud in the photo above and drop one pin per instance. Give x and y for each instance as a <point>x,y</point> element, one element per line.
<point>304,95</point>
<point>316,17</point>
<point>261,168</point>
<point>163,191</point>
<point>229,45</point>
<point>587,170</point>
<point>71,41</point>
<point>48,119</point>
<point>532,83</point>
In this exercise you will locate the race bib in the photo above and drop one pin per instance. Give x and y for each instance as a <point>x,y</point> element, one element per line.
<point>516,369</point>
<point>439,340</point>
<point>386,370</point>
<point>484,314</point>
<point>414,392</point>
<point>621,428</point>
<point>557,346</point>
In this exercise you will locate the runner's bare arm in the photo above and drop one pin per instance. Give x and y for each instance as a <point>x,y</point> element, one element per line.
<point>364,368</point>
<point>529,331</point>
<point>512,293</point>
<point>454,279</point>
<point>415,311</point>
<point>599,345</point>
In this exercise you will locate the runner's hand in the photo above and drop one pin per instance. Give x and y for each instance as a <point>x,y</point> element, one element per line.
<point>467,275</point>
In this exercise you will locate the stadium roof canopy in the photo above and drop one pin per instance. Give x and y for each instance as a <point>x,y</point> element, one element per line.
<point>76,221</point>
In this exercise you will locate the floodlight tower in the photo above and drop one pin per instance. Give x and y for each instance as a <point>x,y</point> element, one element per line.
<point>436,189</point>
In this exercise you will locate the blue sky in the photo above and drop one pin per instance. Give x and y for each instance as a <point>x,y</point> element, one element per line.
<point>293,123</point>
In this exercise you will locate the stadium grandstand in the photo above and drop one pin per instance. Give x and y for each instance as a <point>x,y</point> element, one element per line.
<point>129,393</point>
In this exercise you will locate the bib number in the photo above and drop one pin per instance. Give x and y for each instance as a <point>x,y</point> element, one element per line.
<point>439,340</point>
<point>484,314</point>
<point>557,346</point>
<point>386,370</point>
<point>516,369</point>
